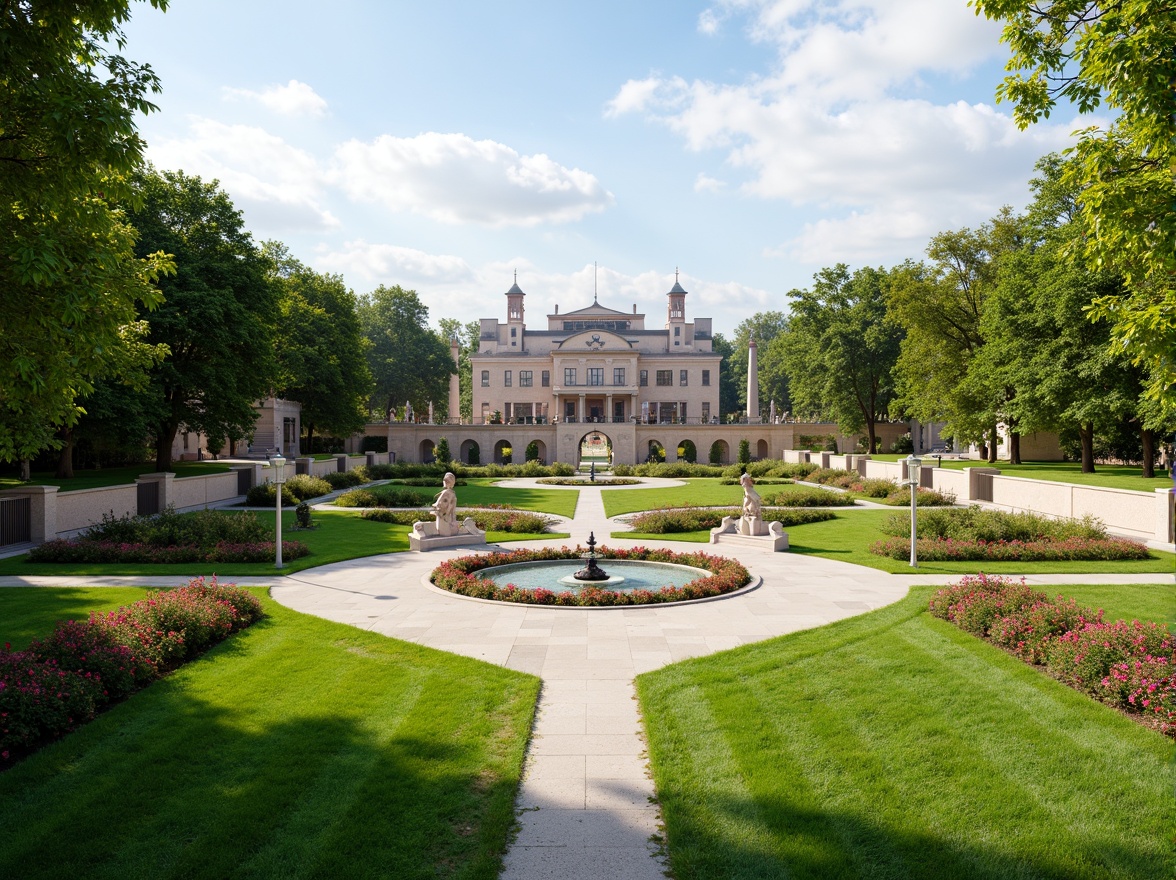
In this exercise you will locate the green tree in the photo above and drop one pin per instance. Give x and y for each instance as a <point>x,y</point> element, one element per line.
<point>409,361</point>
<point>1089,53</point>
<point>217,319</point>
<point>842,349</point>
<point>728,385</point>
<point>765,328</point>
<point>744,451</point>
<point>441,453</point>
<point>72,283</point>
<point>320,347</point>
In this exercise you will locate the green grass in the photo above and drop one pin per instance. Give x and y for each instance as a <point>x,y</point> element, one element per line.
<point>848,537</point>
<point>893,745</point>
<point>299,747</point>
<point>1110,476</point>
<point>1156,602</point>
<point>119,476</point>
<point>481,491</point>
<point>27,613</point>
<point>700,491</point>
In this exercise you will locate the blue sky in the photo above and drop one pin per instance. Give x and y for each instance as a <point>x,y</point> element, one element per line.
<point>443,145</point>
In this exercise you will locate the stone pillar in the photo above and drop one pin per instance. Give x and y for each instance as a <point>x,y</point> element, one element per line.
<point>608,408</point>
<point>341,462</point>
<point>42,510</point>
<point>580,409</point>
<point>165,486</point>
<point>1166,515</point>
<point>753,413</point>
<point>454,386</point>
<point>255,472</point>
<point>302,465</point>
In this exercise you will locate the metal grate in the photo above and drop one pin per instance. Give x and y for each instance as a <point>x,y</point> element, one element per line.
<point>244,481</point>
<point>342,462</point>
<point>148,498</point>
<point>16,521</point>
<point>983,487</point>
<point>301,466</point>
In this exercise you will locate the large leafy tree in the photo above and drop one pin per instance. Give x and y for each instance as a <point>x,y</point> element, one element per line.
<point>219,311</point>
<point>842,347</point>
<point>409,360</point>
<point>71,280</point>
<point>1118,53</point>
<point>319,346</point>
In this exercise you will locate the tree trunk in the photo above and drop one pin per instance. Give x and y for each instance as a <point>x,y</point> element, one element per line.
<point>1149,452</point>
<point>1086,435</point>
<point>65,468</point>
<point>992,439</point>
<point>26,470</point>
<point>872,430</point>
<point>1014,447</point>
<point>164,438</point>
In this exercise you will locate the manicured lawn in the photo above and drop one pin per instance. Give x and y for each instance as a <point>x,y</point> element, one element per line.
<point>1111,476</point>
<point>482,491</point>
<point>848,537</point>
<point>1155,602</point>
<point>700,491</point>
<point>27,613</point>
<point>114,476</point>
<point>299,747</point>
<point>895,745</point>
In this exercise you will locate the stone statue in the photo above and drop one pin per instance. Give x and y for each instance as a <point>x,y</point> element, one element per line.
<point>445,507</point>
<point>752,503</point>
<point>750,527</point>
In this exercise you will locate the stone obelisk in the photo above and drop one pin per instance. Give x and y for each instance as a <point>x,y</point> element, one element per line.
<point>454,385</point>
<point>753,413</point>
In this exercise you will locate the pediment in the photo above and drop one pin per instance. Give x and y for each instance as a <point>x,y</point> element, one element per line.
<point>594,340</point>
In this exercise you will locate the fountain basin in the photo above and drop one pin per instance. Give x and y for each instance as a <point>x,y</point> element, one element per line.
<point>667,577</point>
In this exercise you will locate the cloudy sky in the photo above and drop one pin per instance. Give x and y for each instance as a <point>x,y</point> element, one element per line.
<point>444,145</point>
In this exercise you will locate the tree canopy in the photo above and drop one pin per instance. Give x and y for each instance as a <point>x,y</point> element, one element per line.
<point>218,314</point>
<point>409,361</point>
<point>1089,53</point>
<point>319,346</point>
<point>72,282</point>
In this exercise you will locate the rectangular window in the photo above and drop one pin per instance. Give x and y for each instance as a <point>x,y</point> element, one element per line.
<point>514,331</point>
<point>706,377</point>
<point>682,377</point>
<point>569,375</point>
<point>526,379</point>
<point>546,378</point>
<point>706,412</point>
<point>682,412</point>
<point>677,331</point>
<point>665,377</point>
<point>485,378</point>
<point>618,375</point>
<point>596,375</point>
<point>506,378</point>
<point>644,378</point>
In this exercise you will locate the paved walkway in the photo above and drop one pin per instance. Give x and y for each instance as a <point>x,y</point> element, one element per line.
<point>586,807</point>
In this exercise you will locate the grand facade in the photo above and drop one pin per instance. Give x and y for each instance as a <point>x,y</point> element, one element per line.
<point>595,365</point>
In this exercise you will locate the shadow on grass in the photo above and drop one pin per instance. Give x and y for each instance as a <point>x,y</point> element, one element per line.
<point>814,844</point>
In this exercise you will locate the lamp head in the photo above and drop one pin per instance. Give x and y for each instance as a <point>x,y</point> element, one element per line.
<point>279,466</point>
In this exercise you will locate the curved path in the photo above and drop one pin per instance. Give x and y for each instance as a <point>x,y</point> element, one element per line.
<point>586,807</point>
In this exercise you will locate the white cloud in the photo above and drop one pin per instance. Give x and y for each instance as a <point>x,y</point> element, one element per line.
<point>845,122</point>
<point>391,264</point>
<point>454,179</point>
<point>705,183</point>
<point>293,99</point>
<point>276,186</point>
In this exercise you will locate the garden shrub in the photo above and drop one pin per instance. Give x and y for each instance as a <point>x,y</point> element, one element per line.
<point>923,497</point>
<point>1042,550</point>
<point>346,479</point>
<point>843,479</point>
<point>387,495</point>
<point>744,451</point>
<point>264,495</point>
<point>806,497</point>
<point>59,682</point>
<point>671,521</point>
<point>1127,665</point>
<point>460,576</point>
<point>85,552</point>
<point>304,487</point>
<point>974,523</point>
<point>584,481</point>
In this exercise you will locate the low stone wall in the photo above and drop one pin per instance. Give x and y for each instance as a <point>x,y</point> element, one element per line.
<point>81,509</point>
<point>202,491</point>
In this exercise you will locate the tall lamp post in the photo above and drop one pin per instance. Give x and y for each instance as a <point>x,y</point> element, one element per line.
<point>913,463</point>
<point>278,463</point>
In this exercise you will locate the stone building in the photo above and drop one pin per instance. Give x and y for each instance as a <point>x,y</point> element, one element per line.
<point>596,365</point>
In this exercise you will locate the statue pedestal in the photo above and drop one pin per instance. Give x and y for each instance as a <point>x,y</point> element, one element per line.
<point>426,536</point>
<point>744,531</point>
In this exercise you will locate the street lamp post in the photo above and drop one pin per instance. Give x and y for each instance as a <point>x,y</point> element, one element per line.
<point>913,463</point>
<point>278,463</point>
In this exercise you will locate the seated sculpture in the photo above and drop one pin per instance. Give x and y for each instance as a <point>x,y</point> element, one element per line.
<point>750,527</point>
<point>751,523</point>
<point>445,508</point>
<point>445,524</point>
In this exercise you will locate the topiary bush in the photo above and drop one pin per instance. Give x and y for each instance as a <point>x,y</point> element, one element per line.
<point>265,494</point>
<point>346,479</point>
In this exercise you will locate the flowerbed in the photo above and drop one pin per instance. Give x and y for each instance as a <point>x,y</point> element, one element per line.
<point>460,576</point>
<point>61,681</point>
<point>670,521</point>
<point>1041,550</point>
<point>110,551</point>
<point>1131,666</point>
<point>514,521</point>
<point>585,481</point>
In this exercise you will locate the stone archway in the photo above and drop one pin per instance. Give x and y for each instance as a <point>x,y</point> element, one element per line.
<point>761,449</point>
<point>595,447</point>
<point>655,451</point>
<point>470,452</point>
<point>720,452</point>
<point>536,450</point>
<point>503,452</point>
<point>687,451</point>
<point>428,451</point>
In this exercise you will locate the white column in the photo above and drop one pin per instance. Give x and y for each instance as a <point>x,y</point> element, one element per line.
<point>753,414</point>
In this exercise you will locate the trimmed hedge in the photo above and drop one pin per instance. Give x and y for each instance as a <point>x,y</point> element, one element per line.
<point>670,521</point>
<point>584,481</point>
<point>514,521</point>
<point>109,551</point>
<point>1131,666</point>
<point>387,495</point>
<point>809,498</point>
<point>460,576</point>
<point>58,683</point>
<point>300,487</point>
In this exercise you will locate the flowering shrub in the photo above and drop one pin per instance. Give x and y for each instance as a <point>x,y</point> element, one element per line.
<point>1129,665</point>
<point>843,479</point>
<point>671,521</point>
<point>60,681</point>
<point>923,497</point>
<point>383,496</point>
<point>460,576</point>
<point>517,521</point>
<point>82,551</point>
<point>806,497</point>
<point>1040,550</point>
<point>974,523</point>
